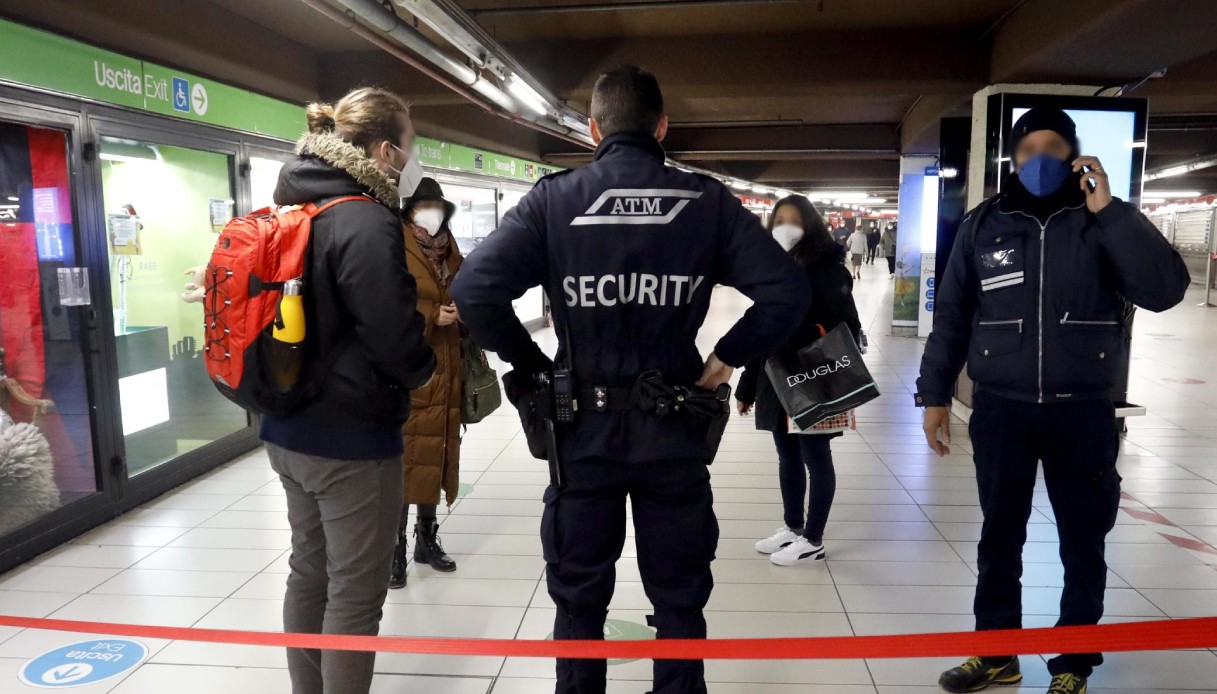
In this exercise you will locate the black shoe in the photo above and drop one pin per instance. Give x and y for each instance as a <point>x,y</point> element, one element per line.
<point>980,673</point>
<point>429,550</point>
<point>1067,684</point>
<point>397,575</point>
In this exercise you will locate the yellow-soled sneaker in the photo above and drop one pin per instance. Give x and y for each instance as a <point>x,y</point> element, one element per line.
<point>980,673</point>
<point>1067,684</point>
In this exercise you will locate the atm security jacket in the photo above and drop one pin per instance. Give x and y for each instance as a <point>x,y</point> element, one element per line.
<point>629,251</point>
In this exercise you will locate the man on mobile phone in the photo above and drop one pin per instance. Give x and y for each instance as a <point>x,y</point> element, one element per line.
<point>1034,300</point>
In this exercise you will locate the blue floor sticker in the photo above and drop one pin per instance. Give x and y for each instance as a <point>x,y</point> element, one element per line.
<point>84,663</point>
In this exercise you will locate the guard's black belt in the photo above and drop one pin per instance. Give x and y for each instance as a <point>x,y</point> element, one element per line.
<point>605,399</point>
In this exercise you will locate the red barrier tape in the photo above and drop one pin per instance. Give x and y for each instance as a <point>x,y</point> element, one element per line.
<point>1133,636</point>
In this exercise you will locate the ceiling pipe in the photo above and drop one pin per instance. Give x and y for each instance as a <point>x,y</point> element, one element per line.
<point>387,21</point>
<point>448,19</point>
<point>623,6</point>
<point>465,90</point>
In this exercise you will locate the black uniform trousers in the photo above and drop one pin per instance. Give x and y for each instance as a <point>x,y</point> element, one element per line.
<point>583,531</point>
<point>1078,443</point>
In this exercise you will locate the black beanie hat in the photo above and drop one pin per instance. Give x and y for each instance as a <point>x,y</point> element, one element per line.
<point>1044,118</point>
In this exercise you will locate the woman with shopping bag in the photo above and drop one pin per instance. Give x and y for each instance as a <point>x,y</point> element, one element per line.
<point>798,226</point>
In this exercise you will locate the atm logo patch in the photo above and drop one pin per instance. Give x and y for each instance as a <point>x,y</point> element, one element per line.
<point>637,206</point>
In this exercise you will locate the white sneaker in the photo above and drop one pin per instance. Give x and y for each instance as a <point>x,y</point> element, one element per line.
<point>798,552</point>
<point>776,541</point>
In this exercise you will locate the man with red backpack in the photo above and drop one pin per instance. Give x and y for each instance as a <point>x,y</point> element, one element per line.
<point>339,451</point>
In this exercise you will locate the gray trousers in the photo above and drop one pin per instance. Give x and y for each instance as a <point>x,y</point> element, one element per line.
<point>344,517</point>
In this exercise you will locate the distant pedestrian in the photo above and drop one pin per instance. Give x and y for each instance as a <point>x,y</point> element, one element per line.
<point>888,243</point>
<point>856,246</point>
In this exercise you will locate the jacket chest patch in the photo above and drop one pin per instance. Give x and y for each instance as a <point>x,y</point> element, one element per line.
<point>1004,257</point>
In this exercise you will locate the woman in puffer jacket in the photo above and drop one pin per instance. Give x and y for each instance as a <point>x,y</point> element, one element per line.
<point>432,436</point>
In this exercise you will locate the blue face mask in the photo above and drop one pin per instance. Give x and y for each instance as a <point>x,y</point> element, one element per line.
<point>1044,174</point>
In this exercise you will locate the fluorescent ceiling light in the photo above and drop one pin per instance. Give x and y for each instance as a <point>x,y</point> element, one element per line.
<point>1152,201</point>
<point>755,188</point>
<point>848,195</point>
<point>1174,193</point>
<point>577,124</point>
<point>12,199</point>
<point>872,201</point>
<point>948,172</point>
<point>739,185</point>
<point>527,96</point>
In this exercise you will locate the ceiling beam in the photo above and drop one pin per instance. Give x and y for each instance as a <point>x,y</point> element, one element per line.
<point>1115,41</point>
<point>893,62</point>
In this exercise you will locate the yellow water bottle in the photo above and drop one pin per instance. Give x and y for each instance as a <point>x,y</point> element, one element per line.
<point>286,355</point>
<point>289,327</point>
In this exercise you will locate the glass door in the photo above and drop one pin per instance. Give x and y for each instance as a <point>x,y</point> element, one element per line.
<point>164,205</point>
<point>47,442</point>
<point>476,209</point>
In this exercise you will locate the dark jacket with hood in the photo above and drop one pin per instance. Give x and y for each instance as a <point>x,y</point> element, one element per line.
<point>832,303</point>
<point>359,299</point>
<point>1035,303</point>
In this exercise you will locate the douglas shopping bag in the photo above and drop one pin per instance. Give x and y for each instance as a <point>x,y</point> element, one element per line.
<point>822,380</point>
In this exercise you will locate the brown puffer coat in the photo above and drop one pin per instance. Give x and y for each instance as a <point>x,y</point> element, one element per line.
<point>432,435</point>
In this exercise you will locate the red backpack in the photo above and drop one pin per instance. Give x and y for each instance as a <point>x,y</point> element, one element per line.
<point>252,260</point>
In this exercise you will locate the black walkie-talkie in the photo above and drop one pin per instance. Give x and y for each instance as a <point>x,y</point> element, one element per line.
<point>564,396</point>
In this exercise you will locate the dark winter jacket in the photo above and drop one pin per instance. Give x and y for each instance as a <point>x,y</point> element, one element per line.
<point>1033,304</point>
<point>629,251</point>
<point>832,303</point>
<point>360,300</point>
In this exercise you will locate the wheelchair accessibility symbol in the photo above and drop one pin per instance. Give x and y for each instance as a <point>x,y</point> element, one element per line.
<point>181,95</point>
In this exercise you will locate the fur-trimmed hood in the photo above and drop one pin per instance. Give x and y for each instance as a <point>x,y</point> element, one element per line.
<point>328,166</point>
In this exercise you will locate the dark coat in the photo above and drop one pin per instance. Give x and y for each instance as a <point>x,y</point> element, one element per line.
<point>832,303</point>
<point>360,298</point>
<point>1036,309</point>
<point>432,436</point>
<point>629,251</point>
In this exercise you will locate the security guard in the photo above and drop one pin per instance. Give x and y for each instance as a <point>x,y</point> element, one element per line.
<point>1033,300</point>
<point>629,251</point>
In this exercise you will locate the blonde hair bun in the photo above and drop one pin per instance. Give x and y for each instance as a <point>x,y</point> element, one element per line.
<point>320,117</point>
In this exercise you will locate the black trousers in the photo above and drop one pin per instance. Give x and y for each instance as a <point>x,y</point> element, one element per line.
<point>891,264</point>
<point>583,532</point>
<point>801,456</point>
<point>870,254</point>
<point>1077,443</point>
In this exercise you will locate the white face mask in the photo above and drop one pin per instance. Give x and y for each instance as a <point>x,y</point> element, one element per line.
<point>787,235</point>
<point>409,176</point>
<point>429,219</point>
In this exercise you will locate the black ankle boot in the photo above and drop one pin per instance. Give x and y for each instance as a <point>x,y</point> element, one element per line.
<point>429,550</point>
<point>397,576</point>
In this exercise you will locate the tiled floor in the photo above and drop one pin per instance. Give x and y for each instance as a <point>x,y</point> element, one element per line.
<point>902,534</point>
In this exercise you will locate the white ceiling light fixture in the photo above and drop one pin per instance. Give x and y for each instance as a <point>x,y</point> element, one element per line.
<point>527,95</point>
<point>740,185</point>
<point>1174,194</point>
<point>1152,201</point>
<point>577,124</point>
<point>948,172</point>
<point>837,195</point>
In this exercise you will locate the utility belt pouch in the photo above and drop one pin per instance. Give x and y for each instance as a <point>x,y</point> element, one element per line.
<point>532,396</point>
<point>655,395</point>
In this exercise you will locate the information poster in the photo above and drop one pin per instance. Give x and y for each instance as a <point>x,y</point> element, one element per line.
<point>124,234</point>
<point>221,213</point>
